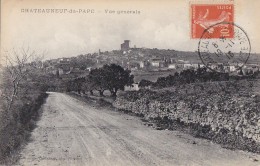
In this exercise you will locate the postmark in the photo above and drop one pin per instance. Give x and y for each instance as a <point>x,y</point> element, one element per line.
<point>204,16</point>
<point>224,54</point>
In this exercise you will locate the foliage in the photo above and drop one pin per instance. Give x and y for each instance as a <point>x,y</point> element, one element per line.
<point>82,62</point>
<point>109,77</point>
<point>186,91</point>
<point>200,75</point>
<point>22,91</point>
<point>145,83</point>
<point>115,78</point>
<point>97,78</point>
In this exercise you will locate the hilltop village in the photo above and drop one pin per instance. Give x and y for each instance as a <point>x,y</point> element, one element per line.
<point>141,61</point>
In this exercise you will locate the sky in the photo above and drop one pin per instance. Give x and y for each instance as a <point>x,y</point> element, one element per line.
<point>161,24</point>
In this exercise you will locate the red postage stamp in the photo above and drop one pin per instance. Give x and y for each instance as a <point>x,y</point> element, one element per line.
<point>208,18</point>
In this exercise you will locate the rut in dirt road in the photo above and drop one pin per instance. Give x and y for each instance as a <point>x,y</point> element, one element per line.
<point>72,132</point>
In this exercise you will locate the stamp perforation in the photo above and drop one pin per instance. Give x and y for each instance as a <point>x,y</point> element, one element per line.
<point>205,15</point>
<point>209,3</point>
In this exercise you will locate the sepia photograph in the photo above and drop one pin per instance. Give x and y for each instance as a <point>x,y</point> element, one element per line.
<point>129,83</point>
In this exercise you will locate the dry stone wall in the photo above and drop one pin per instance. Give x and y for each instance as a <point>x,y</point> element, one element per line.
<point>234,113</point>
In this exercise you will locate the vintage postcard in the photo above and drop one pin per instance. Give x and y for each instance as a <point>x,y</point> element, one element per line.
<point>122,82</point>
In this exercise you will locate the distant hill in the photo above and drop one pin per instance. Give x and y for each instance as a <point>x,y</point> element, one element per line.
<point>135,55</point>
<point>147,53</point>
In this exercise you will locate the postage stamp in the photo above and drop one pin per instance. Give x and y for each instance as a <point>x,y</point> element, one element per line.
<point>224,54</point>
<point>204,16</point>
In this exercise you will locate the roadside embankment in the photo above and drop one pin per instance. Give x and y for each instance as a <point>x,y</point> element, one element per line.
<point>15,129</point>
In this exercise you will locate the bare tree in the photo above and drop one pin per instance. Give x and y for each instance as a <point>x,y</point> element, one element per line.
<point>17,67</point>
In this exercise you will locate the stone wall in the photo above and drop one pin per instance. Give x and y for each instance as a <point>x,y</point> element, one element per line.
<point>236,114</point>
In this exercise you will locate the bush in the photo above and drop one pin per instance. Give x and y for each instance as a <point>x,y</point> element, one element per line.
<point>16,130</point>
<point>189,76</point>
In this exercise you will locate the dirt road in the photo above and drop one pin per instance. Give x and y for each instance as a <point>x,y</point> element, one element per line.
<point>72,132</point>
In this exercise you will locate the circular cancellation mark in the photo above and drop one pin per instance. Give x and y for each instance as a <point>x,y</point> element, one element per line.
<point>224,47</point>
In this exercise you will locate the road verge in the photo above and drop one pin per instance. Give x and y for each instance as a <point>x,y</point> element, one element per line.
<point>17,132</point>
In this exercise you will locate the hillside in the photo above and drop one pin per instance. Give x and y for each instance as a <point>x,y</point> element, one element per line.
<point>147,53</point>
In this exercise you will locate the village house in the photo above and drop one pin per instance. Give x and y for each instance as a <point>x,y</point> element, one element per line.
<point>250,69</point>
<point>187,66</point>
<point>75,72</point>
<point>179,65</point>
<point>172,60</point>
<point>63,60</point>
<point>141,63</point>
<point>201,65</point>
<point>157,62</point>
<point>214,66</point>
<point>172,66</point>
<point>134,87</point>
<point>196,65</point>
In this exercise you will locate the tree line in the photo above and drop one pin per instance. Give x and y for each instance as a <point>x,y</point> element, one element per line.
<point>191,76</point>
<point>109,77</point>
